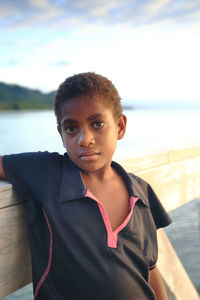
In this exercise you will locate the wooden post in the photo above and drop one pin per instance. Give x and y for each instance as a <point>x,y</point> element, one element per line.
<point>15,262</point>
<point>173,272</point>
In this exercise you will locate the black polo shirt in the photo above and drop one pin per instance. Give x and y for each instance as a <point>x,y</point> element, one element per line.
<point>75,253</point>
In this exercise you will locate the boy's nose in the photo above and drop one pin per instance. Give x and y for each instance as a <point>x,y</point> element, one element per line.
<point>85,138</point>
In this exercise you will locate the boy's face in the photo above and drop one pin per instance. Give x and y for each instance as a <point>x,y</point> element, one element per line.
<point>90,132</point>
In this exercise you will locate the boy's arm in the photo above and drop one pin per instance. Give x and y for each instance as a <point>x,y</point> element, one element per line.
<point>157,284</point>
<point>2,174</point>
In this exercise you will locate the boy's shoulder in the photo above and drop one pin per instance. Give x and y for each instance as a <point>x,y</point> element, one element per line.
<point>34,166</point>
<point>138,180</point>
<point>136,185</point>
<point>140,187</point>
<point>28,159</point>
<point>34,172</point>
<point>144,191</point>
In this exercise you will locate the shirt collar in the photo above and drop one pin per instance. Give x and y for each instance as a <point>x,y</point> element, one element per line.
<point>72,186</point>
<point>135,189</point>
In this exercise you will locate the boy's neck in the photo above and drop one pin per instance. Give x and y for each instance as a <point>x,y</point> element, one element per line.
<point>100,175</point>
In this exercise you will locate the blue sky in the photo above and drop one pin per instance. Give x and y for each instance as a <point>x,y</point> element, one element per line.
<point>149,49</point>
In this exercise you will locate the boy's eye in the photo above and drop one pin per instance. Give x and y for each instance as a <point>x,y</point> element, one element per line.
<point>71,129</point>
<point>98,124</point>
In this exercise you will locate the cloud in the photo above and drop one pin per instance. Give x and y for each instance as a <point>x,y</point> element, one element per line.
<point>154,7</point>
<point>60,63</point>
<point>22,13</point>
<point>10,63</point>
<point>55,13</point>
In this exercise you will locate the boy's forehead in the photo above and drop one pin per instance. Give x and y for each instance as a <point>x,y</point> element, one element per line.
<point>87,100</point>
<point>86,107</point>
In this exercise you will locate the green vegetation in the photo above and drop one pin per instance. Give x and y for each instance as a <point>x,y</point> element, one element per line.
<point>15,97</point>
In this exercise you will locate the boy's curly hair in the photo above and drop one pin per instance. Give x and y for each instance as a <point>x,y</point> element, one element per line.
<point>88,84</point>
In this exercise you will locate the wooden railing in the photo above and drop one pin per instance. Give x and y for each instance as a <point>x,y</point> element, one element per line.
<point>175,176</point>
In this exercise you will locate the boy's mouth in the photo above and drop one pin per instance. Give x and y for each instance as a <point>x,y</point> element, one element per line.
<point>88,155</point>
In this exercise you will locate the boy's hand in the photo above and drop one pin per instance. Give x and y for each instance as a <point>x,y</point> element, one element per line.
<point>2,174</point>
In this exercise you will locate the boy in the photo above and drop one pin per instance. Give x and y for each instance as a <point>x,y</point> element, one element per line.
<point>92,226</point>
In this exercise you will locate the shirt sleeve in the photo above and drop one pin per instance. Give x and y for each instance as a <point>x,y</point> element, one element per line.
<point>155,217</point>
<point>160,216</point>
<point>33,175</point>
<point>144,191</point>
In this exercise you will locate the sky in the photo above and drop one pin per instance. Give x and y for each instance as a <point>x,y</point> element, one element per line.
<point>149,49</point>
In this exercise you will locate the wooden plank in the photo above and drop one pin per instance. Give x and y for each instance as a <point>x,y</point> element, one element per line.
<point>15,262</point>
<point>142,163</point>
<point>160,170</point>
<point>183,154</point>
<point>8,196</point>
<point>173,271</point>
<point>175,183</point>
<point>4,184</point>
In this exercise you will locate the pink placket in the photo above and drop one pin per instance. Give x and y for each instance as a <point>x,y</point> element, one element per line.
<point>112,235</point>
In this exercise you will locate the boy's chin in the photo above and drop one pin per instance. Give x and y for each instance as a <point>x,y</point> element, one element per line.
<point>88,167</point>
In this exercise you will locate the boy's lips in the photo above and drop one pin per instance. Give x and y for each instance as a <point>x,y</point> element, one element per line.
<point>88,155</point>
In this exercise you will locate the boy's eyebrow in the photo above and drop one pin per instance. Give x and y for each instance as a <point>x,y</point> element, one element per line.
<point>90,118</point>
<point>67,120</point>
<point>94,117</point>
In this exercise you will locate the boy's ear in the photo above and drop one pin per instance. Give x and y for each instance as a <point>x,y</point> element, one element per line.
<point>121,126</point>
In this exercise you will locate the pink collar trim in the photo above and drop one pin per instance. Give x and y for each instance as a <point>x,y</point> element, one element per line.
<point>112,235</point>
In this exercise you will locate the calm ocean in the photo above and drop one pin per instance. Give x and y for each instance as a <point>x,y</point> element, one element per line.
<point>148,131</point>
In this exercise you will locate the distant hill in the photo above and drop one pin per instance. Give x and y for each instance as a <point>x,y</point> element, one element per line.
<point>15,97</point>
